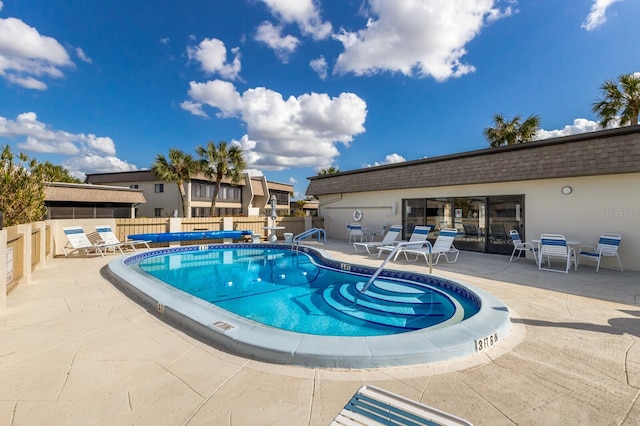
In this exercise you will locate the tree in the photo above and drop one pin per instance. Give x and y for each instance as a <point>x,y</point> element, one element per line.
<point>54,173</point>
<point>21,189</point>
<point>178,168</point>
<point>619,99</point>
<point>511,132</point>
<point>328,171</point>
<point>219,162</point>
<point>299,207</point>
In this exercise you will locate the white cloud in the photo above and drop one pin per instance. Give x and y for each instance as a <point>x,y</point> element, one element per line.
<point>580,125</point>
<point>272,37</point>
<point>26,56</point>
<point>389,159</point>
<point>212,56</point>
<point>1,5</point>
<point>320,66</point>
<point>88,153</point>
<point>303,13</point>
<point>282,133</point>
<point>416,38</point>
<point>597,15</point>
<point>83,56</point>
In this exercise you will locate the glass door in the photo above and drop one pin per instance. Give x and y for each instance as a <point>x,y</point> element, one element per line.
<point>504,213</point>
<point>413,214</point>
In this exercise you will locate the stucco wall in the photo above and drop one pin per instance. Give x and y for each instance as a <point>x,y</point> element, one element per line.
<point>597,204</point>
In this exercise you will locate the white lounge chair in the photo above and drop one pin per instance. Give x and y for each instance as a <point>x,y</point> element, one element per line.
<point>607,246</point>
<point>371,405</point>
<point>109,237</point>
<point>79,242</point>
<point>554,246</point>
<point>442,247</point>
<point>388,239</point>
<point>520,246</point>
<point>418,235</point>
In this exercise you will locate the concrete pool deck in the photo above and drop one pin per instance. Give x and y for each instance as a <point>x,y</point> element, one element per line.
<point>76,350</point>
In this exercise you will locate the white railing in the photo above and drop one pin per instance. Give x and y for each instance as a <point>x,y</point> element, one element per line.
<point>384,263</point>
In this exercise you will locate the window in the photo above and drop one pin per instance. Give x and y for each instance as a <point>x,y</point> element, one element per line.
<point>159,187</point>
<point>135,186</point>
<point>158,212</point>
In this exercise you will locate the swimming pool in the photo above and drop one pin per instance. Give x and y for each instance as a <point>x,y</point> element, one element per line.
<point>242,307</point>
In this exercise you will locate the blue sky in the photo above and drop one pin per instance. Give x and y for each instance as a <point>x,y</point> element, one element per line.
<point>106,85</point>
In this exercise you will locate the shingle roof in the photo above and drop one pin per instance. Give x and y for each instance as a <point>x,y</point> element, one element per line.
<point>597,153</point>
<point>92,193</point>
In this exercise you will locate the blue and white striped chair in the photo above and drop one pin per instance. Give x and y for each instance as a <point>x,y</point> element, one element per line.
<point>521,246</point>
<point>442,247</point>
<point>607,246</point>
<point>554,246</point>
<point>418,235</point>
<point>354,232</point>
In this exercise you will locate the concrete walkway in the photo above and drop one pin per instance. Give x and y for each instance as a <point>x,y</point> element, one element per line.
<point>74,350</point>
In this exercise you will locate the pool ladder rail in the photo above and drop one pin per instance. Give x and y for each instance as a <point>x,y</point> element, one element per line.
<point>322,237</point>
<point>384,263</point>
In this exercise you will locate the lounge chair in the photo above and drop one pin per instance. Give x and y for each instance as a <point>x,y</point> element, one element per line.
<point>607,246</point>
<point>442,247</point>
<point>554,246</point>
<point>109,237</point>
<point>498,232</point>
<point>520,246</point>
<point>79,242</point>
<point>418,236</point>
<point>388,239</point>
<point>372,405</point>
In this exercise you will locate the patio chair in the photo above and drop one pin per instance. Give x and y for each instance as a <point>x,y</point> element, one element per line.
<point>442,247</point>
<point>388,239</point>
<point>372,405</point>
<point>354,232</point>
<point>418,236</point>
<point>520,246</point>
<point>554,246</point>
<point>79,242</point>
<point>607,246</point>
<point>109,237</point>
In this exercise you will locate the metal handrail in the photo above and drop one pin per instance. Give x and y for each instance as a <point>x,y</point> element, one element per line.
<point>384,263</point>
<point>308,233</point>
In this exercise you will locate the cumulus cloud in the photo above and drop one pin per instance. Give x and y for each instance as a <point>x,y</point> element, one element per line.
<point>86,151</point>
<point>303,13</point>
<point>320,66</point>
<point>282,133</point>
<point>580,125</point>
<point>271,35</point>
<point>27,57</point>
<point>212,56</point>
<point>389,159</point>
<point>416,38</point>
<point>597,15</point>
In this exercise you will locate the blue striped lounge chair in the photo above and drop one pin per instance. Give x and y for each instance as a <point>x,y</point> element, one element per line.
<point>109,237</point>
<point>389,238</point>
<point>442,247</point>
<point>607,247</point>
<point>418,235</point>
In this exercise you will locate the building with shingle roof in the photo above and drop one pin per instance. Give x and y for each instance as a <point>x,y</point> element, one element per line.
<point>579,186</point>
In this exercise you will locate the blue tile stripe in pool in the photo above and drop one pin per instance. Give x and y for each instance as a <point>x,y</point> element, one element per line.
<point>248,338</point>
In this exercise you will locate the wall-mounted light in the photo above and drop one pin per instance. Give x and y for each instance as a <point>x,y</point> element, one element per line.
<point>566,190</point>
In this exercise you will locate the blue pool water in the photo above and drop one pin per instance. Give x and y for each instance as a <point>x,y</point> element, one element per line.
<point>394,323</point>
<point>290,290</point>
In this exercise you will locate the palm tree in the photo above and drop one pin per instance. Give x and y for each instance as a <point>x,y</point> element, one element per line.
<point>511,132</point>
<point>328,171</point>
<point>623,99</point>
<point>178,168</point>
<point>219,162</point>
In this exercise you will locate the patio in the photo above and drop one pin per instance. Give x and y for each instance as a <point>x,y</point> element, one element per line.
<point>75,350</point>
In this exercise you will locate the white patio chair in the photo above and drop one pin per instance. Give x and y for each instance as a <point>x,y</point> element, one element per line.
<point>109,237</point>
<point>371,405</point>
<point>442,247</point>
<point>418,235</point>
<point>520,246</point>
<point>355,232</point>
<point>388,239</point>
<point>79,242</point>
<point>607,247</point>
<point>554,246</point>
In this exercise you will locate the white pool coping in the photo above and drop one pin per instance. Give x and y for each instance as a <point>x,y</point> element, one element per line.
<point>248,338</point>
